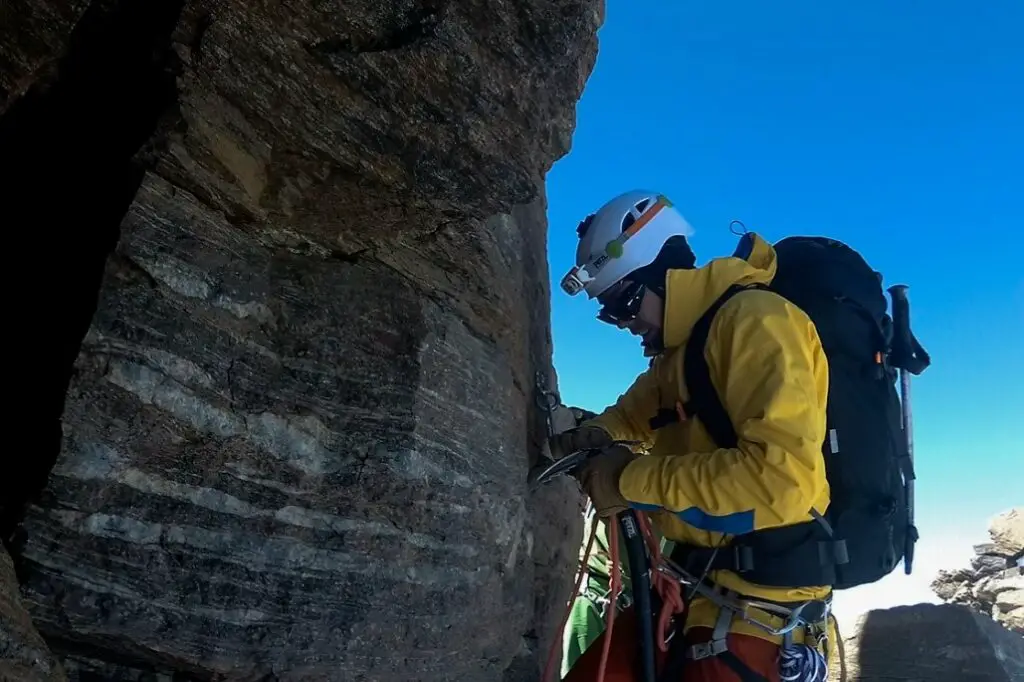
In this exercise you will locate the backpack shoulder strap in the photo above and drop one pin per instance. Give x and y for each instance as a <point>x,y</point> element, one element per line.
<point>704,401</point>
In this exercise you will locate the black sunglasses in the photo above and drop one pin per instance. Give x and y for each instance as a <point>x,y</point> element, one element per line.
<point>623,307</point>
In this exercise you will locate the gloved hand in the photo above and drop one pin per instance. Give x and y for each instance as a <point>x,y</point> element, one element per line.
<point>562,419</point>
<point>599,477</point>
<point>580,438</point>
<point>581,415</point>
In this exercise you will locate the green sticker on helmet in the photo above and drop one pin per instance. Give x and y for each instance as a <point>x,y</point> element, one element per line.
<point>614,249</point>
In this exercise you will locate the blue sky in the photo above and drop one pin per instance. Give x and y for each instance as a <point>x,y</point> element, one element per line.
<point>895,127</point>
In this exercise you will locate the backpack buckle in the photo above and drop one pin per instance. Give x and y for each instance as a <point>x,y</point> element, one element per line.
<point>833,553</point>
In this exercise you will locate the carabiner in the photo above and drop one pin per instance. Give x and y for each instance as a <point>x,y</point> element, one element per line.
<point>794,617</point>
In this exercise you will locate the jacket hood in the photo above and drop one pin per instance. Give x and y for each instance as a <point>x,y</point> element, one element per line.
<point>688,293</point>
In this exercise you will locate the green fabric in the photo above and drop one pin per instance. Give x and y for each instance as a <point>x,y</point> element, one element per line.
<point>586,620</point>
<point>585,624</point>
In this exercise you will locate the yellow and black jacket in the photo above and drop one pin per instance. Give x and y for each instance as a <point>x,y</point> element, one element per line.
<point>768,367</point>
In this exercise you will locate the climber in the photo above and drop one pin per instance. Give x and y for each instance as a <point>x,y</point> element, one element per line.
<point>766,360</point>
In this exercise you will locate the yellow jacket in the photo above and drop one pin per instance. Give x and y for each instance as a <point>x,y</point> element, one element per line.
<point>769,369</point>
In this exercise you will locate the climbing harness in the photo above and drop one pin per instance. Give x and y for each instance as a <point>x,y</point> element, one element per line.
<point>725,599</point>
<point>799,662</point>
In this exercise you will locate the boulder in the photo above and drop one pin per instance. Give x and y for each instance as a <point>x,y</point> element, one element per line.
<point>947,584</point>
<point>1007,532</point>
<point>1014,618</point>
<point>1008,599</point>
<point>988,564</point>
<point>303,275</point>
<point>933,643</point>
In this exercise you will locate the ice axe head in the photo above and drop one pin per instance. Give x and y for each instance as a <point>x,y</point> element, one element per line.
<point>547,471</point>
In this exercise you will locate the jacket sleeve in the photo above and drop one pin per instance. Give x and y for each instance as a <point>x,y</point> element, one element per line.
<point>629,418</point>
<point>770,371</point>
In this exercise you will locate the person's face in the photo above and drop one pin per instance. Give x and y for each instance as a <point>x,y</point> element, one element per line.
<point>629,305</point>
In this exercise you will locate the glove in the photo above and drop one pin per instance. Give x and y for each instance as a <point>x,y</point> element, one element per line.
<point>562,419</point>
<point>581,415</point>
<point>599,477</point>
<point>581,438</point>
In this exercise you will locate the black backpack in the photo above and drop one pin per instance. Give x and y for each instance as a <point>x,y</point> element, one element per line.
<point>868,527</point>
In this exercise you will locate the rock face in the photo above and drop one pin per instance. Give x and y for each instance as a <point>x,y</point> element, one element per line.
<point>994,584</point>
<point>23,653</point>
<point>929,643</point>
<point>297,427</point>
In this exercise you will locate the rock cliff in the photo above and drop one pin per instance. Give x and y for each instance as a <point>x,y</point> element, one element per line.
<point>300,294</point>
<point>994,583</point>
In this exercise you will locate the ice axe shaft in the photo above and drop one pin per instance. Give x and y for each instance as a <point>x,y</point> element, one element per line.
<point>640,575</point>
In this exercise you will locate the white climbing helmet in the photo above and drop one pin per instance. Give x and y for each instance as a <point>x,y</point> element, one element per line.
<point>624,235</point>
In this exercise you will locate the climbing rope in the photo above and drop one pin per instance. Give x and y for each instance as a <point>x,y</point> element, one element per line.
<point>840,649</point>
<point>667,588</point>
<point>802,663</point>
<point>614,588</point>
<point>582,573</point>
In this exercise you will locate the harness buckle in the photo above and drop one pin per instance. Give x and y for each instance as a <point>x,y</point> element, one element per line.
<point>806,613</point>
<point>708,649</point>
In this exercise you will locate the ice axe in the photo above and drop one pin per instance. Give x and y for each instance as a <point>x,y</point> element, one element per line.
<point>548,470</point>
<point>636,555</point>
<point>909,357</point>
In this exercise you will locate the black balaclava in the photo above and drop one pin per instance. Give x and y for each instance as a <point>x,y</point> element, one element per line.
<point>674,255</point>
